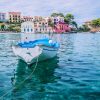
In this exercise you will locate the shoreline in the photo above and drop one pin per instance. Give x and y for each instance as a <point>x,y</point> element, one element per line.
<point>34,33</point>
<point>7,32</point>
<point>10,32</point>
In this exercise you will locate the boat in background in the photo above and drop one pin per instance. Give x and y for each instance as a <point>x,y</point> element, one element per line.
<point>40,49</point>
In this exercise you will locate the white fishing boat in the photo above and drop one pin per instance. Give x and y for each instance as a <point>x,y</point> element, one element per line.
<point>40,49</point>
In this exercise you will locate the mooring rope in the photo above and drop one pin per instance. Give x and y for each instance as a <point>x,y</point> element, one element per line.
<point>1,98</point>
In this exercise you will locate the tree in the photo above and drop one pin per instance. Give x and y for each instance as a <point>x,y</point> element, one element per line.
<point>14,28</point>
<point>96,22</point>
<point>84,28</point>
<point>69,18</point>
<point>74,24</point>
<point>11,27</point>
<point>61,14</point>
<point>1,22</point>
<point>17,29</point>
<point>2,26</point>
<point>53,14</point>
<point>50,23</point>
<point>57,14</point>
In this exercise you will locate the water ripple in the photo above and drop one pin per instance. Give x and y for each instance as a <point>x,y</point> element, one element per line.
<point>73,75</point>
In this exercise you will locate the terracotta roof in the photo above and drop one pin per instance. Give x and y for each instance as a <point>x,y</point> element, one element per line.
<point>38,16</point>
<point>27,17</point>
<point>14,12</point>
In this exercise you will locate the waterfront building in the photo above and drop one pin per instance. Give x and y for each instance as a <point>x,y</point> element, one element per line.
<point>2,17</point>
<point>57,19</point>
<point>62,27</point>
<point>36,27</point>
<point>27,27</point>
<point>38,18</point>
<point>14,17</point>
<point>42,26</point>
<point>47,19</point>
<point>27,18</point>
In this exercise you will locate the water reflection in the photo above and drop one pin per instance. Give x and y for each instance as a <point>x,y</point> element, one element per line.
<point>44,71</point>
<point>43,74</point>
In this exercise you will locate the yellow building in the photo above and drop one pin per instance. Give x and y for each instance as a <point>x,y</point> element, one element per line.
<point>14,17</point>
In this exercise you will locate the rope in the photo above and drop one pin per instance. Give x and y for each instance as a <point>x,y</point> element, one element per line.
<point>22,81</point>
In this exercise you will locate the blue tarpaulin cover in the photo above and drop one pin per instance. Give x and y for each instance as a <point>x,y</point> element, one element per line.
<point>45,42</point>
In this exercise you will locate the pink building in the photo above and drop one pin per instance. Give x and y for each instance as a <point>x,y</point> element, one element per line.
<point>62,28</point>
<point>14,17</point>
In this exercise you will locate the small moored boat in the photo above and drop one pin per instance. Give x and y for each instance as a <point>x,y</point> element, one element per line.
<point>42,49</point>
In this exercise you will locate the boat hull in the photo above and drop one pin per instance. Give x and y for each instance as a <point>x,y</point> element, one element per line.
<point>32,55</point>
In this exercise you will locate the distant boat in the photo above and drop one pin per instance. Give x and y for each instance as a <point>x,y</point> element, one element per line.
<point>40,49</point>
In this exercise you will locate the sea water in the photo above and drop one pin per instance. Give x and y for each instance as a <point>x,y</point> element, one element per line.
<point>74,74</point>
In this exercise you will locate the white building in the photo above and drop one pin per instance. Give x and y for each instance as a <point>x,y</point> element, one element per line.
<point>58,19</point>
<point>3,17</point>
<point>36,27</point>
<point>27,18</point>
<point>27,27</point>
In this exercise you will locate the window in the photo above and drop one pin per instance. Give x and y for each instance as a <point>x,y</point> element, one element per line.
<point>28,30</point>
<point>3,17</point>
<point>35,25</point>
<point>24,29</point>
<point>54,19</point>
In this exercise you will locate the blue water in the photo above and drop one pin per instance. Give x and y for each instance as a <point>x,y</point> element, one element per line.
<point>73,75</point>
